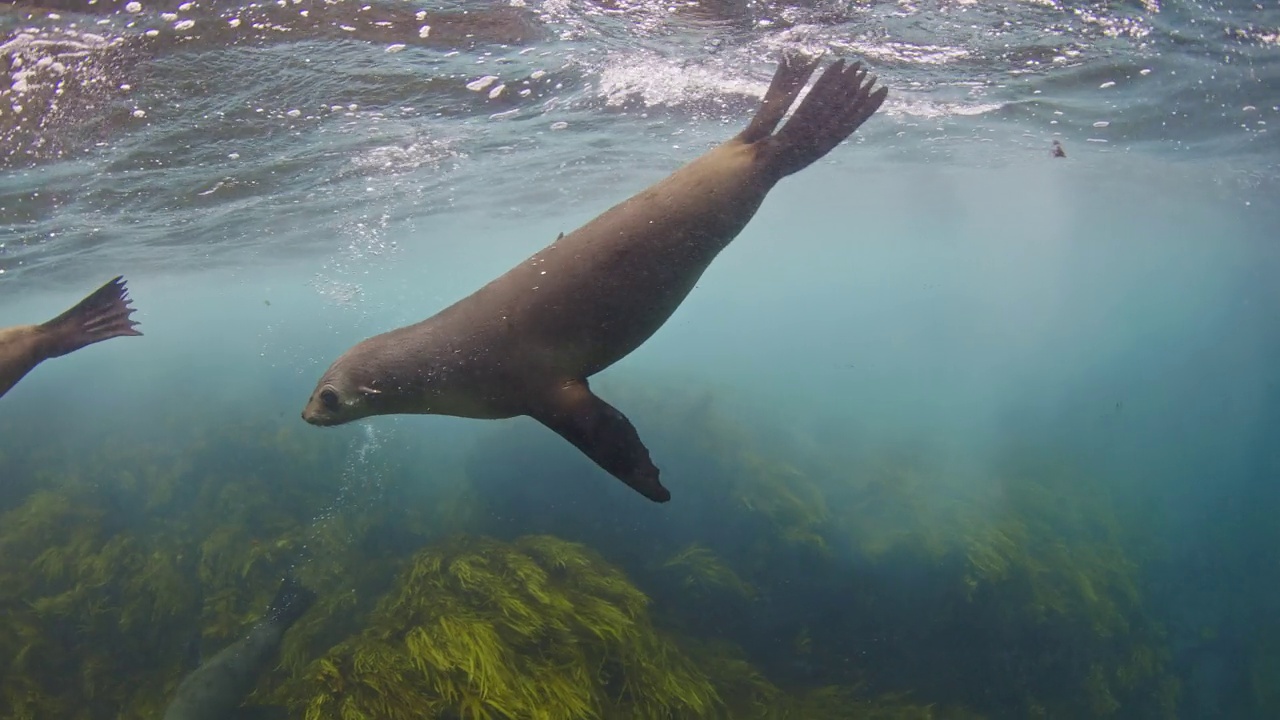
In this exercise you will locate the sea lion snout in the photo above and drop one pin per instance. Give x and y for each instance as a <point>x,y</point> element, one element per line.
<point>312,417</point>
<point>316,416</point>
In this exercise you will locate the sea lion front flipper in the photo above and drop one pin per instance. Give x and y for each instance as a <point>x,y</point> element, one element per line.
<point>602,433</point>
<point>840,100</point>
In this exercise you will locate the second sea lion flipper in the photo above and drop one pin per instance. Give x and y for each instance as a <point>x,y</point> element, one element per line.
<point>291,602</point>
<point>103,315</point>
<point>602,433</point>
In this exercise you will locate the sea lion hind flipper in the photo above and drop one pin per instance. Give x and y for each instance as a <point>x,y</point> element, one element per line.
<point>102,315</point>
<point>840,100</point>
<point>602,433</point>
<point>788,80</point>
<point>291,602</point>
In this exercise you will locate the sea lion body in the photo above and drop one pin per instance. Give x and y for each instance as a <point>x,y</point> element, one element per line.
<point>217,689</point>
<point>21,348</point>
<point>575,307</point>
<point>525,343</point>
<point>102,315</point>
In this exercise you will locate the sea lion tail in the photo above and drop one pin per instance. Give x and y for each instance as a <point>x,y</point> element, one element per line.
<point>291,602</point>
<point>840,100</point>
<point>103,315</point>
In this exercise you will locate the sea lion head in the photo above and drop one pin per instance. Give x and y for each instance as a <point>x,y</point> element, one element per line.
<point>349,390</point>
<point>384,375</point>
<point>339,398</point>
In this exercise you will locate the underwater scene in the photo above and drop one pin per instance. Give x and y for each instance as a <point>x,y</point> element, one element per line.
<point>977,416</point>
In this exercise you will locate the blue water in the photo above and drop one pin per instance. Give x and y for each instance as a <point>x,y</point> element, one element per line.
<point>939,305</point>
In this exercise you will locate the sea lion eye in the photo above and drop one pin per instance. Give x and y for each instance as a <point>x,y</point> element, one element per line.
<point>329,399</point>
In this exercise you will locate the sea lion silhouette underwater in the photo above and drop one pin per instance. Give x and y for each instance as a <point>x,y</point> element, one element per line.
<point>217,688</point>
<point>103,315</point>
<point>526,343</point>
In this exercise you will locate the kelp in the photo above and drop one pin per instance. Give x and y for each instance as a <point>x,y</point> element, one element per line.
<point>749,695</point>
<point>702,573</point>
<point>478,628</point>
<point>1017,572</point>
<point>83,596</point>
<point>936,578</point>
<point>543,628</point>
<point>776,584</point>
<point>127,565</point>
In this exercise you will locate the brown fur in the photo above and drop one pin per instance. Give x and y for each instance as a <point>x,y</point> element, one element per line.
<point>103,315</point>
<point>525,343</point>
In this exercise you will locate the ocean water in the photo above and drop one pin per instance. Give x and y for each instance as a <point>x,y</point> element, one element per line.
<point>954,429</point>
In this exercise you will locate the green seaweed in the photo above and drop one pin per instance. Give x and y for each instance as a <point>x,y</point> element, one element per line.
<point>123,562</point>
<point>1025,569</point>
<point>879,585</point>
<point>1013,569</point>
<point>86,601</point>
<point>752,696</point>
<point>701,572</point>
<point>543,628</point>
<point>479,628</point>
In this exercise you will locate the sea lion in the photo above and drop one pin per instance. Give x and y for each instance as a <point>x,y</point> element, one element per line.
<point>103,315</point>
<point>217,689</point>
<point>525,343</point>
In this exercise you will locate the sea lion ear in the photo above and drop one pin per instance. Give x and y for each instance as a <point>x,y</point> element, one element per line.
<point>366,390</point>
